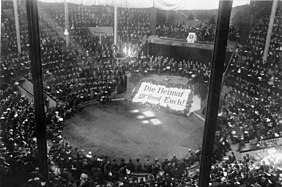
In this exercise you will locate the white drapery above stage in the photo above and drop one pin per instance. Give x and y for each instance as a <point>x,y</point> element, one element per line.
<point>160,4</point>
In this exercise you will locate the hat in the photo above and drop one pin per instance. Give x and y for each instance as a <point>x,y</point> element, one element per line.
<point>84,176</point>
<point>223,179</point>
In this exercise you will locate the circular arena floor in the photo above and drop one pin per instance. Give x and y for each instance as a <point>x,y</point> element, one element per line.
<point>122,130</point>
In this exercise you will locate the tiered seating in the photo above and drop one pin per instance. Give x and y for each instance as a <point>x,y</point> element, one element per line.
<point>252,109</point>
<point>134,24</point>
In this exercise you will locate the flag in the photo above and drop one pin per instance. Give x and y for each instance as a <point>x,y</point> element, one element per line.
<point>191,38</point>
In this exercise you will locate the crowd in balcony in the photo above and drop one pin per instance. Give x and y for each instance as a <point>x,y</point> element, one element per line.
<point>134,24</point>
<point>256,87</point>
<point>251,110</point>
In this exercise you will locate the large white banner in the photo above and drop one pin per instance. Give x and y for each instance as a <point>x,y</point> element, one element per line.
<point>174,98</point>
<point>101,31</point>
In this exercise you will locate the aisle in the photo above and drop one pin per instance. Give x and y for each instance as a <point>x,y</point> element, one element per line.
<point>26,88</point>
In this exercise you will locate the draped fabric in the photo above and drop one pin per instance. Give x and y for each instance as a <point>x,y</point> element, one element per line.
<point>172,4</point>
<point>160,4</point>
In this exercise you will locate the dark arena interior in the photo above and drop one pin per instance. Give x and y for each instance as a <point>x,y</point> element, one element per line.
<point>125,130</point>
<point>158,93</point>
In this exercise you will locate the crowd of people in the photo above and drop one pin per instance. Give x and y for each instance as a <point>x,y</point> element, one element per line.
<point>78,81</point>
<point>134,25</point>
<point>256,95</point>
<point>87,71</point>
<point>204,32</point>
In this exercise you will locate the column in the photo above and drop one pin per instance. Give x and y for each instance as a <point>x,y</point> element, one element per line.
<point>0,28</point>
<point>36,70</point>
<point>153,17</point>
<point>218,57</point>
<point>115,25</point>
<point>269,32</point>
<point>66,33</point>
<point>17,25</point>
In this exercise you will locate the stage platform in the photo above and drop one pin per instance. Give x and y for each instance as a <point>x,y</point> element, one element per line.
<point>182,43</point>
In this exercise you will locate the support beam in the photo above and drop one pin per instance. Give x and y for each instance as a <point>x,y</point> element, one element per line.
<point>115,25</point>
<point>224,11</point>
<point>15,3</point>
<point>153,17</point>
<point>269,32</point>
<point>36,69</point>
<point>166,16</point>
<point>66,33</point>
<point>1,29</point>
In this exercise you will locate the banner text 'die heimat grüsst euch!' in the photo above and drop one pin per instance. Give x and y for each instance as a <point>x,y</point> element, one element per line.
<point>172,97</point>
